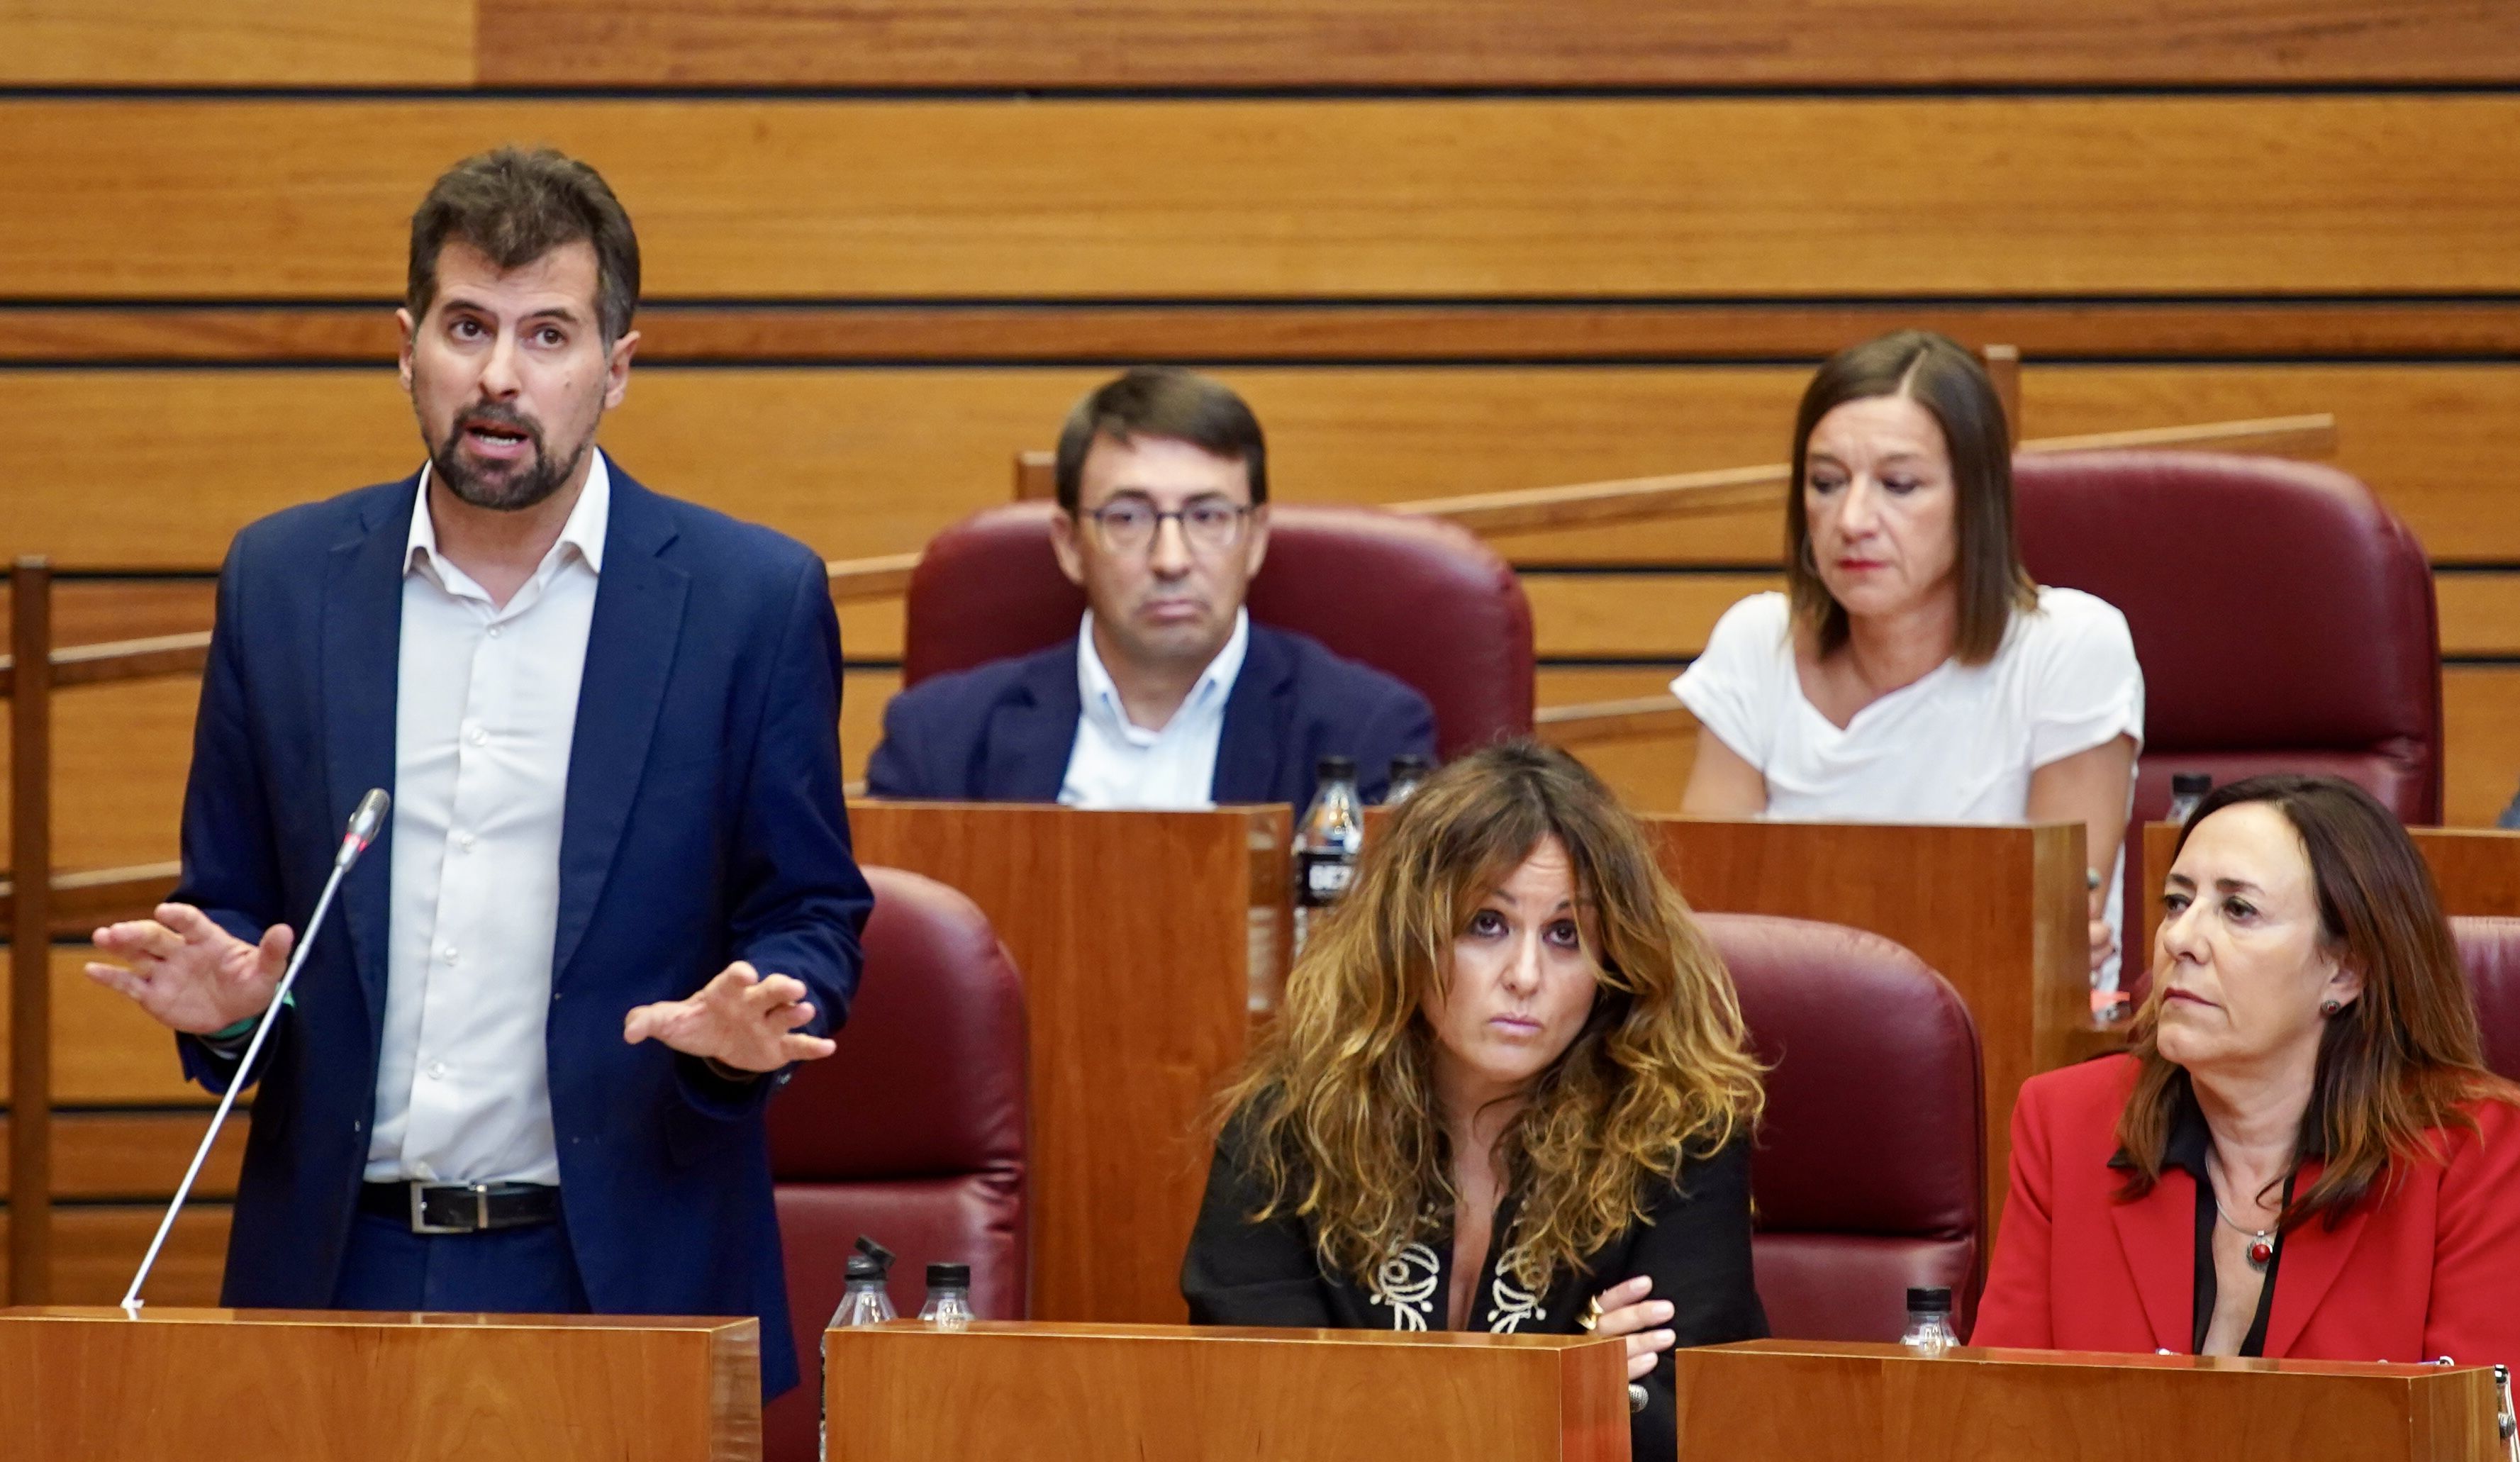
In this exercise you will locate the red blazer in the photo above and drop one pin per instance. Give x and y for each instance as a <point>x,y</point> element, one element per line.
<point>2431,1268</point>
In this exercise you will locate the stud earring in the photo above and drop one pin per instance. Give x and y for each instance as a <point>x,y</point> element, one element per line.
<point>2330,1007</point>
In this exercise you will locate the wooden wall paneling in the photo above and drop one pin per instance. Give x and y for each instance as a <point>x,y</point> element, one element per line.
<point>235,43</point>
<point>140,1155</point>
<point>1144,937</point>
<point>1125,1392</point>
<point>1416,199</point>
<point>1998,912</point>
<point>865,462</point>
<point>120,754</point>
<point>102,1383</point>
<point>1321,331</point>
<point>1156,43</point>
<point>2481,734</point>
<point>97,1247</point>
<point>105,1052</point>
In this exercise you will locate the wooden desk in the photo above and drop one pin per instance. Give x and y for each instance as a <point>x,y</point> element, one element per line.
<point>304,1386</point>
<point>2476,869</point>
<point>1146,941</point>
<point>1009,1392</point>
<point>1801,1401</point>
<point>1998,911</point>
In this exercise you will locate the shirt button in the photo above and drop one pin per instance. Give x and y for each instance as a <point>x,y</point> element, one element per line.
<point>437,1071</point>
<point>465,841</point>
<point>494,632</point>
<point>447,954</point>
<point>476,735</point>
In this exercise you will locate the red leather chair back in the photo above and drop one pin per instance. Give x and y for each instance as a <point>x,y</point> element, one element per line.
<point>2491,951</point>
<point>913,1131</point>
<point>1869,1173</point>
<point>1420,600</point>
<point>2283,616</point>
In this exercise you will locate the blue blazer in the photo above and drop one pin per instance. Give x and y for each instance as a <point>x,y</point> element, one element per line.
<point>1003,731</point>
<point>702,823</point>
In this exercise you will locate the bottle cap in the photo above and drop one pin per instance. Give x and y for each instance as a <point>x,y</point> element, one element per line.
<point>1409,764</point>
<point>949,1276</point>
<point>1336,768</point>
<point>1935,1301</point>
<point>2184,783</point>
<point>872,1260</point>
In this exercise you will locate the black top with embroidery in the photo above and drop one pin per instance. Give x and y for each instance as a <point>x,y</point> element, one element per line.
<point>1695,1243</point>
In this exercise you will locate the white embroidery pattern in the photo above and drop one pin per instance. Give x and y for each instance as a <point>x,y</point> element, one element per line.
<point>1509,1304</point>
<point>1404,1282</point>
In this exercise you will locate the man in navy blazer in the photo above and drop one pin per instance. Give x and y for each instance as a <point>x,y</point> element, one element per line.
<point>1168,696</point>
<point>525,1063</point>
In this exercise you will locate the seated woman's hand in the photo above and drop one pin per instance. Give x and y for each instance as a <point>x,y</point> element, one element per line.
<point>1624,1310</point>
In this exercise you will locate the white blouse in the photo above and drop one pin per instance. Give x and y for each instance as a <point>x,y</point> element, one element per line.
<point>1957,745</point>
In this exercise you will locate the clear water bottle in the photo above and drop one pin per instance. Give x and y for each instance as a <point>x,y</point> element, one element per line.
<point>1328,838</point>
<point>949,1297</point>
<point>863,1300</point>
<point>1406,771</point>
<point>2186,789</point>
<point>1929,1322</point>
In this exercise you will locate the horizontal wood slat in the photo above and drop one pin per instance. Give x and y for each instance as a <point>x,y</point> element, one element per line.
<point>235,43</point>
<point>1299,331</point>
<point>95,1249</point>
<point>137,1154</point>
<point>1448,199</point>
<point>1506,43</point>
<point>869,461</point>
<point>105,1052</point>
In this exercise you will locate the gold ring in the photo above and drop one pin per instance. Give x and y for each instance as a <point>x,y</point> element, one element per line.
<point>1592,1315</point>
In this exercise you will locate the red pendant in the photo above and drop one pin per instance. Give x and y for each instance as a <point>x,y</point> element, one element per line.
<point>2262,1251</point>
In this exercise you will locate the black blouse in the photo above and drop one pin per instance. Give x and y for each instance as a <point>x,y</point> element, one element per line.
<point>1695,1241</point>
<point>2190,1140</point>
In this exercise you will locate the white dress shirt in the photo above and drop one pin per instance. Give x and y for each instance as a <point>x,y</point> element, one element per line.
<point>486,705</point>
<point>1116,764</point>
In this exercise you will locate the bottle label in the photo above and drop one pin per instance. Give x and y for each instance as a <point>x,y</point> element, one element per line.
<point>1322,877</point>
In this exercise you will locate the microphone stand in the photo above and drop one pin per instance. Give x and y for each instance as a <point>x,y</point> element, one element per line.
<point>364,825</point>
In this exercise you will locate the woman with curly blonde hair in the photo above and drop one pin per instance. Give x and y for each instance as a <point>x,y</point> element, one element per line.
<point>1508,1089</point>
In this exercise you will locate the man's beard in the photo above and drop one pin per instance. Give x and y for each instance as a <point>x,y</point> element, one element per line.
<point>515,489</point>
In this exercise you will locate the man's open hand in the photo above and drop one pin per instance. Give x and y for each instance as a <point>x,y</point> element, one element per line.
<point>738,1019</point>
<point>189,974</point>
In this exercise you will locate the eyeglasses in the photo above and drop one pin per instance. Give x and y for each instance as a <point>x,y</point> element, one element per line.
<point>1209,526</point>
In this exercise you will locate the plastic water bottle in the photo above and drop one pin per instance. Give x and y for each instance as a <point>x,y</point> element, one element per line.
<point>2186,789</point>
<point>863,1300</point>
<point>949,1297</point>
<point>1328,838</point>
<point>1929,1322</point>
<point>1407,770</point>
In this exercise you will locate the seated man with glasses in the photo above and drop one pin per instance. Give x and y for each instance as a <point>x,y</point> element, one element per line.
<point>1169,696</point>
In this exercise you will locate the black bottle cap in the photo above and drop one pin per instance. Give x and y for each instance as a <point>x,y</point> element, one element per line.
<point>949,1276</point>
<point>872,1260</point>
<point>1936,1300</point>
<point>1336,768</point>
<point>1409,764</point>
<point>2183,783</point>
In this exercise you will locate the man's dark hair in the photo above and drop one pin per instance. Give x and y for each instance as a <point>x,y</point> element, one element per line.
<point>517,205</point>
<point>1162,401</point>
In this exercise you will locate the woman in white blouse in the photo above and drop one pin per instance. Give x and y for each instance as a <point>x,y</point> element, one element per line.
<point>1911,671</point>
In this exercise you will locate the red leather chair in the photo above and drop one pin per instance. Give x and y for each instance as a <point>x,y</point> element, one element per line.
<point>1869,1173</point>
<point>2282,614</point>
<point>2490,947</point>
<point>1421,600</point>
<point>913,1131</point>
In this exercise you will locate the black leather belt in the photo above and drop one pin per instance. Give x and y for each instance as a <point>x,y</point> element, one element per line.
<point>461,1208</point>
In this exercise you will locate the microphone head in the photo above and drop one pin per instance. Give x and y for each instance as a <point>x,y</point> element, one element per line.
<point>365,825</point>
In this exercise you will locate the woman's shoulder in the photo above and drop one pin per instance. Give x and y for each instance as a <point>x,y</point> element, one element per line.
<point>2070,617</point>
<point>2098,1087</point>
<point>1758,623</point>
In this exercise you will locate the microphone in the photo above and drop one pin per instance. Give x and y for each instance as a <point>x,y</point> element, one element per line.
<point>365,825</point>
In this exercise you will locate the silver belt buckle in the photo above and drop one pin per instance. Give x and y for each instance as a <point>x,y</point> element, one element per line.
<point>418,1210</point>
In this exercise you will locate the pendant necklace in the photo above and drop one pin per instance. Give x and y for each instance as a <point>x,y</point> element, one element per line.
<point>2261,1241</point>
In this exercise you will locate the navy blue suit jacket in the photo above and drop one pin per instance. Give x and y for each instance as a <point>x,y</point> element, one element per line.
<point>702,823</point>
<point>1003,731</point>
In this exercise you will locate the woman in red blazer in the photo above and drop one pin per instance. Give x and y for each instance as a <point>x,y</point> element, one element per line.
<point>2303,1154</point>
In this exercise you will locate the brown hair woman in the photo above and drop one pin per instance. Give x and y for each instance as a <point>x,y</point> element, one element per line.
<point>2304,1154</point>
<point>1508,1089</point>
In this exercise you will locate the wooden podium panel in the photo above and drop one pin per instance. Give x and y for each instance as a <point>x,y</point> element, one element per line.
<point>1009,1392</point>
<point>1146,941</point>
<point>1803,1402</point>
<point>2476,869</point>
<point>98,1385</point>
<point>1998,911</point>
